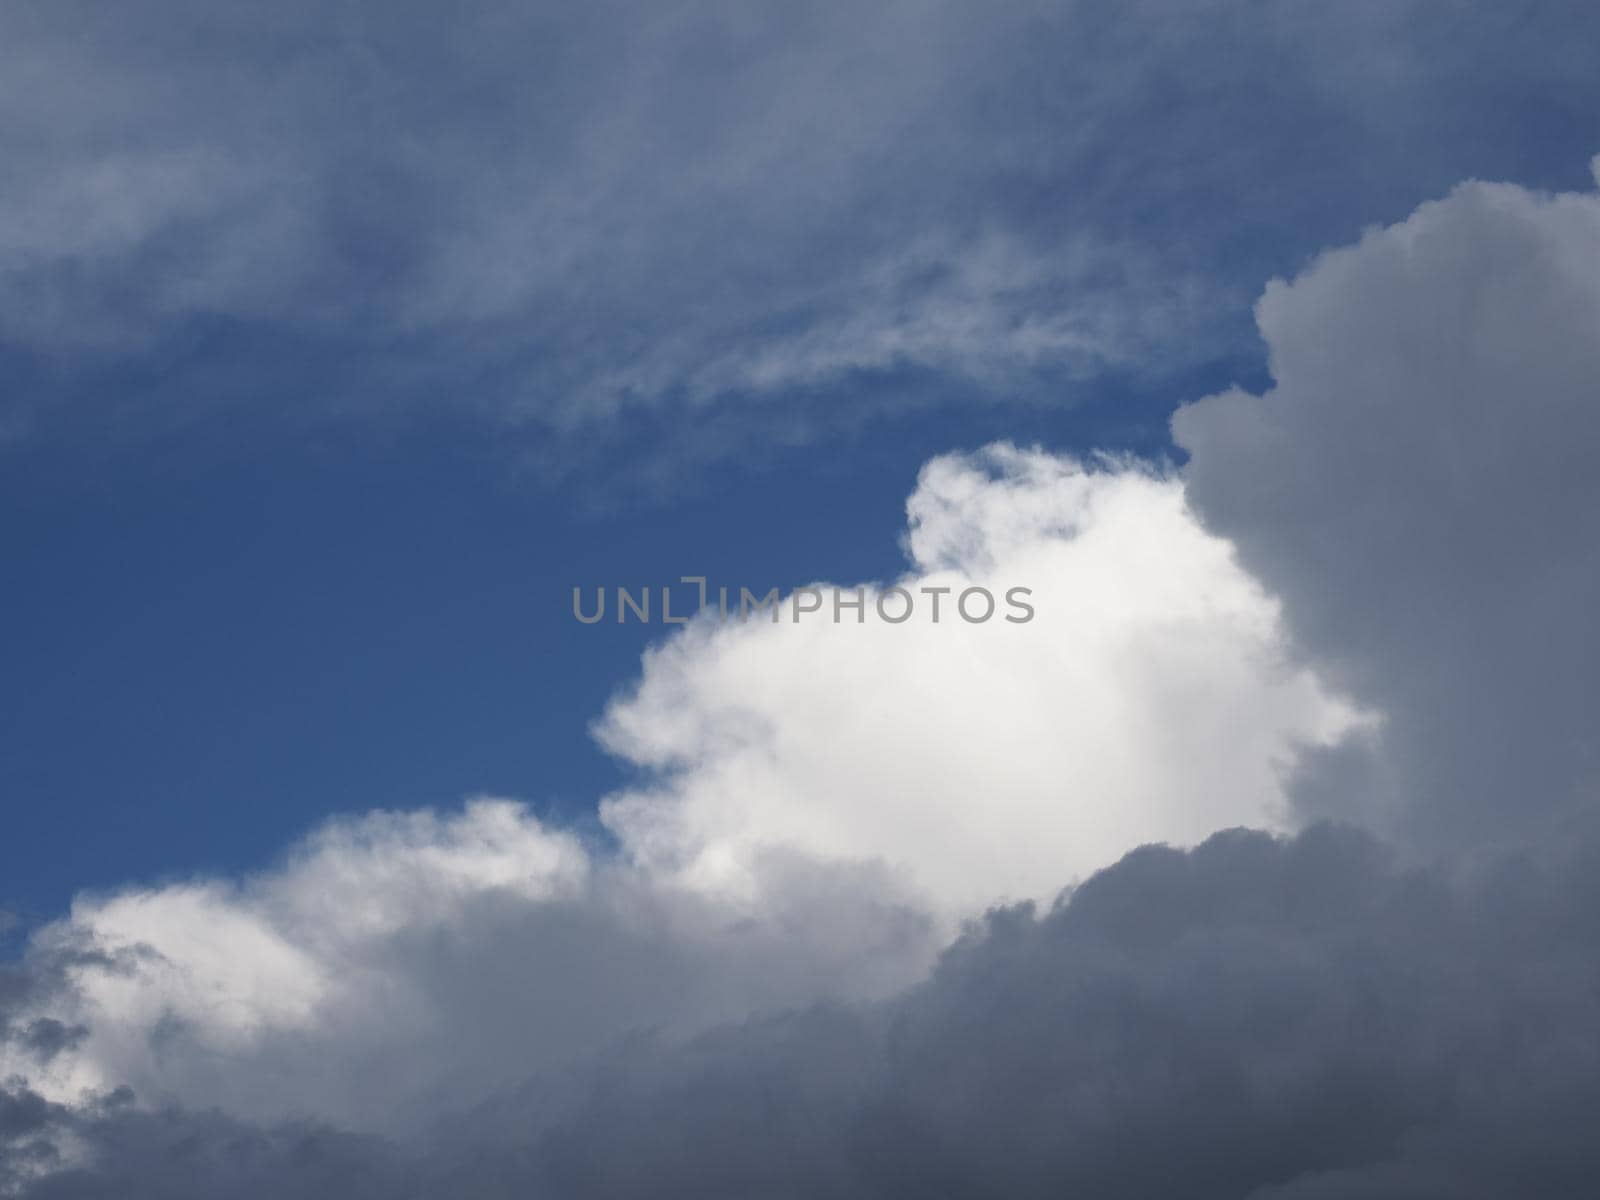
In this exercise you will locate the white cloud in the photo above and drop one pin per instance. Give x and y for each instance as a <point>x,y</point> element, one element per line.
<point>822,803</point>
<point>400,963</point>
<point>223,968</point>
<point>1150,699</point>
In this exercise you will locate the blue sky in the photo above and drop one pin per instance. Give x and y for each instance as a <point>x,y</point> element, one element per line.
<point>213,642</point>
<point>262,565</point>
<point>287,549</point>
<point>338,344</point>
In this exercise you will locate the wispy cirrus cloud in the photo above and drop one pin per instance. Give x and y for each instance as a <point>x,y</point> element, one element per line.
<point>563,218</point>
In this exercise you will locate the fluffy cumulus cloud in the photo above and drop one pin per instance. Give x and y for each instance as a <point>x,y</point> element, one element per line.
<point>1148,698</point>
<point>1419,486</point>
<point>759,984</point>
<point>398,964</point>
<point>820,803</point>
<point>558,213</point>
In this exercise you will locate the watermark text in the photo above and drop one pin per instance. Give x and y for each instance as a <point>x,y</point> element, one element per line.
<point>690,597</point>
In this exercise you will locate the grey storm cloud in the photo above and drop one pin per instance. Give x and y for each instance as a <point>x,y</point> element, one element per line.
<point>1419,487</point>
<point>24,987</point>
<point>1258,1017</point>
<point>557,216</point>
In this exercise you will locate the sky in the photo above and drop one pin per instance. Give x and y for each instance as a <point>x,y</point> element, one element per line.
<point>340,344</point>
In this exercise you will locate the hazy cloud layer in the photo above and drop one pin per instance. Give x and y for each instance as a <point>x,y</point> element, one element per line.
<point>561,215</point>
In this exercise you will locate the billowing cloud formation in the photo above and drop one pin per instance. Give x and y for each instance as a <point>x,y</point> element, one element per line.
<point>821,804</point>
<point>1275,1018</point>
<point>1419,486</point>
<point>485,944</point>
<point>559,213</point>
<point>1148,698</point>
<point>1278,1020</point>
<point>1256,1018</point>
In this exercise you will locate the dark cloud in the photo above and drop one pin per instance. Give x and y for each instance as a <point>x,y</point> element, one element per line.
<point>39,981</point>
<point>556,215</point>
<point>1257,1017</point>
<point>1251,1016</point>
<point>176,1154</point>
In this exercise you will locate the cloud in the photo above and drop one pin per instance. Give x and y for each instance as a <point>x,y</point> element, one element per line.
<point>1418,486</point>
<point>1261,1017</point>
<point>818,807</point>
<point>1148,699</point>
<point>736,997</point>
<point>486,944</point>
<point>1253,1018</point>
<point>568,218</point>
